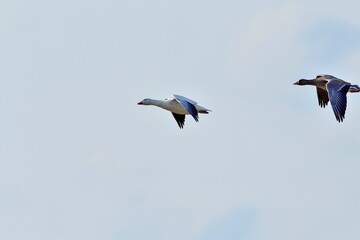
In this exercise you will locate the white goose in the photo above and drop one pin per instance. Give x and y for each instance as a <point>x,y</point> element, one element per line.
<point>179,106</point>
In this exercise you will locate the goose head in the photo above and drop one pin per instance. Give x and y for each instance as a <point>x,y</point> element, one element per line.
<point>146,101</point>
<point>149,101</point>
<point>301,82</point>
<point>320,77</point>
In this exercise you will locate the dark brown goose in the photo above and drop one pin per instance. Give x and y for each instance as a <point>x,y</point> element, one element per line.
<point>331,88</point>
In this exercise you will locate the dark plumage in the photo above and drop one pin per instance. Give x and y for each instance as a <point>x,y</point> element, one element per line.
<point>330,88</point>
<point>180,119</point>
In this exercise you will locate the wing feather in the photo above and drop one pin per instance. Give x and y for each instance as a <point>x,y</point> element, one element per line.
<point>337,90</point>
<point>323,97</point>
<point>189,106</point>
<point>180,119</point>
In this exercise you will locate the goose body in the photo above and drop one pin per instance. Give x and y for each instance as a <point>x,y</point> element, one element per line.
<point>179,106</point>
<point>330,88</point>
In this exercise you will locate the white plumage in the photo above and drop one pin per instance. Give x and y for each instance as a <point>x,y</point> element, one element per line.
<point>179,106</point>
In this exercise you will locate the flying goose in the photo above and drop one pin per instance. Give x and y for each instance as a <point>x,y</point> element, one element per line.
<point>331,88</point>
<point>179,106</point>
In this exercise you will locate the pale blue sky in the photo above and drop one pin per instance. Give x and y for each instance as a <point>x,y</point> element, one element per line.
<point>80,160</point>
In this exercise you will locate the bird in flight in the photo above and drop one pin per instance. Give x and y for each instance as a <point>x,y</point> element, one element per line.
<point>330,88</point>
<point>179,106</point>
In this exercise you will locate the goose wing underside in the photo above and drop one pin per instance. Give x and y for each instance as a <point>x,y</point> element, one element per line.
<point>337,90</point>
<point>180,119</point>
<point>323,97</point>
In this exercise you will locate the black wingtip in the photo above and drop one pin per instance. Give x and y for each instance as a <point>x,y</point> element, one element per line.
<point>323,104</point>
<point>340,118</point>
<point>180,119</point>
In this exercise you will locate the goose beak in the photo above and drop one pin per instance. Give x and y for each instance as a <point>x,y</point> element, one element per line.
<point>296,83</point>
<point>140,103</point>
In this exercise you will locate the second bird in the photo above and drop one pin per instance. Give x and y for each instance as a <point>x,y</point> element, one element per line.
<point>331,88</point>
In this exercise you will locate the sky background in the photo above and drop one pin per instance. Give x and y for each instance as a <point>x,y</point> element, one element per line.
<point>80,160</point>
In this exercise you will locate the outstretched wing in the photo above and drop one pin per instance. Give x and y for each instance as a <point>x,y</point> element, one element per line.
<point>188,104</point>
<point>185,98</point>
<point>180,119</point>
<point>323,97</point>
<point>337,90</point>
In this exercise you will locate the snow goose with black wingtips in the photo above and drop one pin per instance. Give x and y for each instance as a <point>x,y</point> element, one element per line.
<point>179,106</point>
<point>331,88</point>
